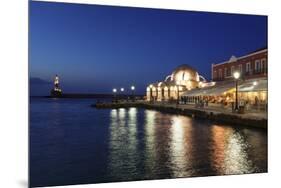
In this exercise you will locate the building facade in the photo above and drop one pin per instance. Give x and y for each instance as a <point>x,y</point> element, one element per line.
<point>252,83</point>
<point>185,85</point>
<point>182,79</point>
<point>253,65</point>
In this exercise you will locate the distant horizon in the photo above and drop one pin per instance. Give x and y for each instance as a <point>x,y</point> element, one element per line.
<point>95,48</point>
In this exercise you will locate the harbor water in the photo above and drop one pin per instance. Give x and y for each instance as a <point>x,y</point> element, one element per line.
<point>73,143</point>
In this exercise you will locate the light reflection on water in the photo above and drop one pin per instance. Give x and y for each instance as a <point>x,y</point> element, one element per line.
<point>123,143</point>
<point>174,146</point>
<point>72,143</point>
<point>230,152</point>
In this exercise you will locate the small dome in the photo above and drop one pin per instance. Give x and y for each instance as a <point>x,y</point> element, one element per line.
<point>185,73</point>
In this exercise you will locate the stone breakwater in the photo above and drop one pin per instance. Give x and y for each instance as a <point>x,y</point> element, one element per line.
<point>201,113</point>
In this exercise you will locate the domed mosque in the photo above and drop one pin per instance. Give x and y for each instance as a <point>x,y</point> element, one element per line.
<point>182,79</point>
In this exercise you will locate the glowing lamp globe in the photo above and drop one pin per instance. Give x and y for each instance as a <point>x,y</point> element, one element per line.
<point>255,83</point>
<point>236,75</point>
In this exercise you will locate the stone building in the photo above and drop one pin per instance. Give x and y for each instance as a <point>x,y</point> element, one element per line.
<point>182,79</point>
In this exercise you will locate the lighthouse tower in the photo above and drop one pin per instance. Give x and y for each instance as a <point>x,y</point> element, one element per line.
<point>56,91</point>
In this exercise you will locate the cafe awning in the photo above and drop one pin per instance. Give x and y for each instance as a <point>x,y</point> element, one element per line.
<point>210,91</point>
<point>255,86</point>
<point>223,87</point>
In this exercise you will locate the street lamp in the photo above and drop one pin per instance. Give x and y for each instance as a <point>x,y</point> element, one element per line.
<point>133,89</point>
<point>255,83</point>
<point>122,90</point>
<point>114,90</point>
<point>236,75</point>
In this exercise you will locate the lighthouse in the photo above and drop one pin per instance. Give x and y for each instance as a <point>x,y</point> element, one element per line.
<point>56,91</point>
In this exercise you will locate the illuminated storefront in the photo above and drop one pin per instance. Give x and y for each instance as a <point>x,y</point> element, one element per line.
<point>252,92</point>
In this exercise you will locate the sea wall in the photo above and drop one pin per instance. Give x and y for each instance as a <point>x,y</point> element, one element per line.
<point>219,117</point>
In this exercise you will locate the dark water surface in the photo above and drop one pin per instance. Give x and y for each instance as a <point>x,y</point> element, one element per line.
<point>72,143</point>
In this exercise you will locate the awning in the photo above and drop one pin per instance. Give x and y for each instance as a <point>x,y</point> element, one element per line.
<point>210,91</point>
<point>261,85</point>
<point>221,87</point>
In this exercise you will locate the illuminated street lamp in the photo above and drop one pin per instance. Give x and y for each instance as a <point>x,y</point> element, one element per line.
<point>255,83</point>
<point>122,90</point>
<point>236,75</point>
<point>133,89</point>
<point>114,90</point>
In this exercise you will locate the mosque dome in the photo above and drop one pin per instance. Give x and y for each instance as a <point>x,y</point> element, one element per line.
<point>183,78</point>
<point>184,73</point>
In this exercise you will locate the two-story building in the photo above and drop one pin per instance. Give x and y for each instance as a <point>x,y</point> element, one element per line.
<point>252,65</point>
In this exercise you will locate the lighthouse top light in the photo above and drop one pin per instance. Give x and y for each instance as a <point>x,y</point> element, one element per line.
<point>56,91</point>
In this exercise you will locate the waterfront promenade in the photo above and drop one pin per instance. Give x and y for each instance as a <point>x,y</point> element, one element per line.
<point>213,112</point>
<point>217,109</point>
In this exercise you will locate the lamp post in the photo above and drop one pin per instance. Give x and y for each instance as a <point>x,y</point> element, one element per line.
<point>122,90</point>
<point>133,89</point>
<point>236,76</point>
<point>114,90</point>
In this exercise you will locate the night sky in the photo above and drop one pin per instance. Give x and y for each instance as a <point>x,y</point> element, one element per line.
<point>96,48</point>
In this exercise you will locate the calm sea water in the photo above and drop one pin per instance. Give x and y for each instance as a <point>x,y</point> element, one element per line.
<point>72,143</point>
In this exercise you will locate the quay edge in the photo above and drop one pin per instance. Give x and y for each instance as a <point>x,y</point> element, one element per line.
<point>218,117</point>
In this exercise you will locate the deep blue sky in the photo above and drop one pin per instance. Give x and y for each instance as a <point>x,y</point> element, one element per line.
<point>95,48</point>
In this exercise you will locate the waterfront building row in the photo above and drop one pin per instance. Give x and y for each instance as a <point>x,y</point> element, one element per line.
<point>185,83</point>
